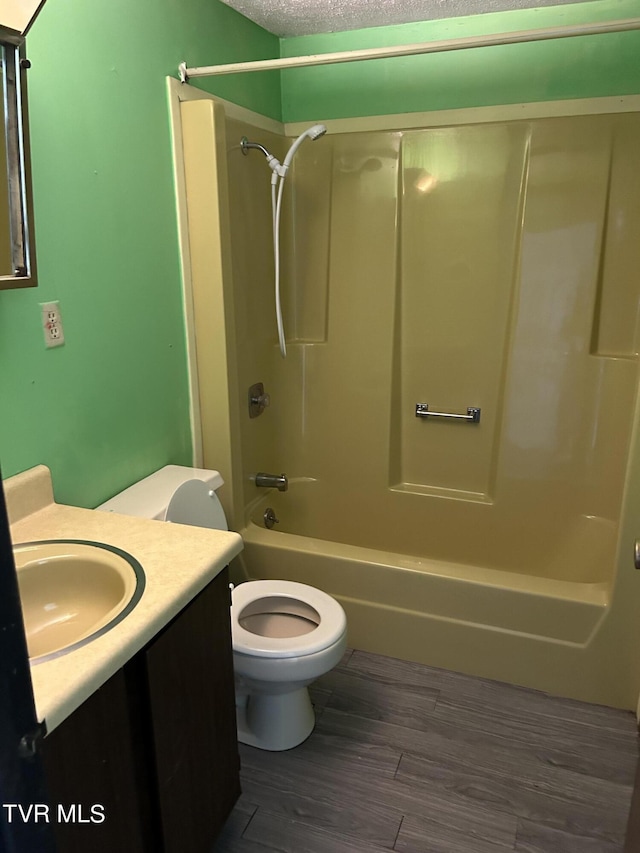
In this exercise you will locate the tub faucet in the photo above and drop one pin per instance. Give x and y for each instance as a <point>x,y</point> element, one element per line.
<point>273,481</point>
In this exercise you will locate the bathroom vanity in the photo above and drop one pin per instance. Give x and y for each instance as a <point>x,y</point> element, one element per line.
<point>154,750</point>
<point>140,752</point>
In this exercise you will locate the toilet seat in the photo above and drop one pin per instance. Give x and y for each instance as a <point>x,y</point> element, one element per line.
<point>332,625</point>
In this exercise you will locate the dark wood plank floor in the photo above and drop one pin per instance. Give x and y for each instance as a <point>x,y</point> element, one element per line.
<point>410,758</point>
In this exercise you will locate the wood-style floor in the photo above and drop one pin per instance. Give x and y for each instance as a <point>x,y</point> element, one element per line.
<point>410,758</point>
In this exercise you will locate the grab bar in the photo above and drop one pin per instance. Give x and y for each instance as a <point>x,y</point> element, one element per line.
<point>472,416</point>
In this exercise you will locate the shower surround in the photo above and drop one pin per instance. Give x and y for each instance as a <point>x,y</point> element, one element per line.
<point>489,265</point>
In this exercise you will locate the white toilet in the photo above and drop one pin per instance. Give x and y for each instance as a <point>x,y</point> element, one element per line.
<point>285,634</point>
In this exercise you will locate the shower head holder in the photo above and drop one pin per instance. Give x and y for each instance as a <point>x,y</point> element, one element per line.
<point>272,162</point>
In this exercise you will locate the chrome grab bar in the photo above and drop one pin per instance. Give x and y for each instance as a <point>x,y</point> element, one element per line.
<point>472,416</point>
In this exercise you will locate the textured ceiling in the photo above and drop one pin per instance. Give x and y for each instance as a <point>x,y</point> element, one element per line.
<point>304,17</point>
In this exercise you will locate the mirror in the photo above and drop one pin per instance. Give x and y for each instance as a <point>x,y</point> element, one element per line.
<point>17,254</point>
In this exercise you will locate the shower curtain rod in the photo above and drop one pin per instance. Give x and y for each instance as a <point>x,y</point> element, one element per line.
<point>516,37</point>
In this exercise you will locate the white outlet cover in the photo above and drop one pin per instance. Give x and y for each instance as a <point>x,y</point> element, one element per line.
<point>52,324</point>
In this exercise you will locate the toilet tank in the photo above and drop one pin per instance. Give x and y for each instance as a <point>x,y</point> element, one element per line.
<point>174,493</point>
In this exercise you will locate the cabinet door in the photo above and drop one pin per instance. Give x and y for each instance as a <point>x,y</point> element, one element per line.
<point>95,770</point>
<point>21,777</point>
<point>192,701</point>
<point>632,841</point>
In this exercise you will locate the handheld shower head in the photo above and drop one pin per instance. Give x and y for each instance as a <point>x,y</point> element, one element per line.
<point>277,185</point>
<point>316,131</point>
<point>312,133</point>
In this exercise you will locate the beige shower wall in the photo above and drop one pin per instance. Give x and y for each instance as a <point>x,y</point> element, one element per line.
<point>231,289</point>
<point>489,265</point>
<point>492,266</point>
<point>461,200</point>
<point>258,356</point>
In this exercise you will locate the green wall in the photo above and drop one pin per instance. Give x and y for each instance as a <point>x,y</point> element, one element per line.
<point>592,66</point>
<point>111,405</point>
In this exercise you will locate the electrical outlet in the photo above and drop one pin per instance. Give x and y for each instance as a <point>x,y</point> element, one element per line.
<point>52,324</point>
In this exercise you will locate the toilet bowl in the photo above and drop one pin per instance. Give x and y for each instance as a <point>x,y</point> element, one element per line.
<point>285,635</point>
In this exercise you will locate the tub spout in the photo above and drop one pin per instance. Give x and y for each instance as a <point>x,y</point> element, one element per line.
<point>273,481</point>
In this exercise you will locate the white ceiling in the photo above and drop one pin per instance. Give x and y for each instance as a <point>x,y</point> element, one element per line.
<point>304,17</point>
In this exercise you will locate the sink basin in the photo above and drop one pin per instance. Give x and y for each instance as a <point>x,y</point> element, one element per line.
<point>73,591</point>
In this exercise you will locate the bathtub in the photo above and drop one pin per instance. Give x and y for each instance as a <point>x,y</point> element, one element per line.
<point>525,629</point>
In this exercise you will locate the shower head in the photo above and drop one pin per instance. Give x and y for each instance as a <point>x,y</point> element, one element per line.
<point>316,131</point>
<point>312,133</point>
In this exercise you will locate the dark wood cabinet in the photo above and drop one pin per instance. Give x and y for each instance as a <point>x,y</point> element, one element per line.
<point>191,692</point>
<point>150,762</point>
<point>632,841</point>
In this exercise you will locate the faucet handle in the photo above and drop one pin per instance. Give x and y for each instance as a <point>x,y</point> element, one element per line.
<point>258,400</point>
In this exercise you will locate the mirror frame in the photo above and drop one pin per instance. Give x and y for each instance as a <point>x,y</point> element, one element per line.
<point>20,194</point>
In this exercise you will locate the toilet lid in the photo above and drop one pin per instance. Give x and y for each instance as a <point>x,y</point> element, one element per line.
<point>333,622</point>
<point>195,503</point>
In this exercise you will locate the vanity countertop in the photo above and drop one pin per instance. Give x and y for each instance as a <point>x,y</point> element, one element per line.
<point>178,561</point>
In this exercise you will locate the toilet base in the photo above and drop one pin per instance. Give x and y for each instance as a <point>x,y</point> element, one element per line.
<point>275,722</point>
